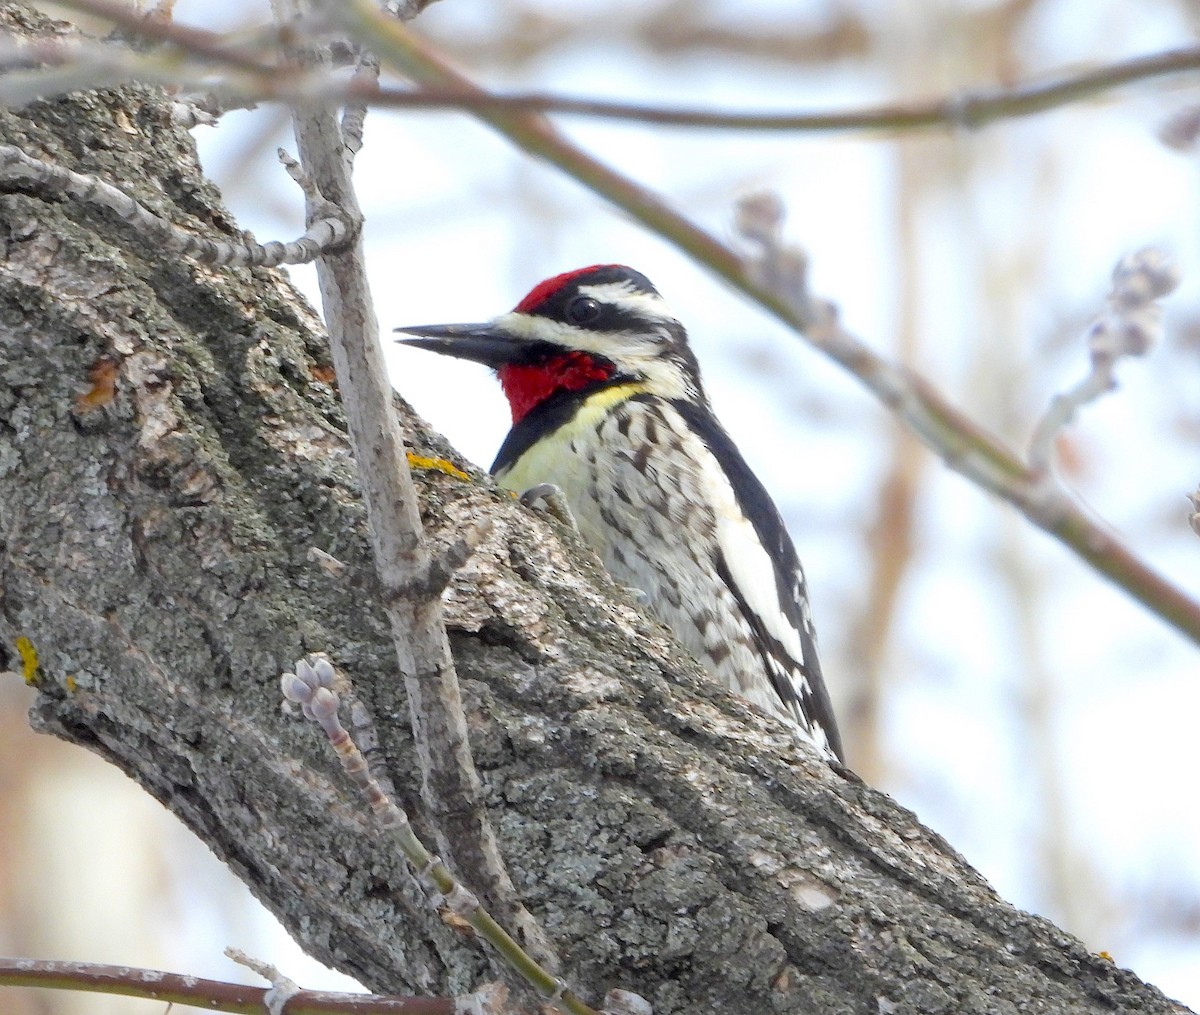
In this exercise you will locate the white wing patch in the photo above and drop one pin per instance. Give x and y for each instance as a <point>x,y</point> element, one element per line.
<point>753,573</point>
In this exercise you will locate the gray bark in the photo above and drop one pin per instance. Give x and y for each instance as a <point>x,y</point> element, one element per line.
<point>154,550</point>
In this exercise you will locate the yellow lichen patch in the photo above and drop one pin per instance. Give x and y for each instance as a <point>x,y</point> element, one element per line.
<point>440,464</point>
<point>72,684</point>
<point>29,661</point>
<point>103,375</point>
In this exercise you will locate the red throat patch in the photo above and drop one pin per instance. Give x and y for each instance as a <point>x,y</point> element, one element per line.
<point>530,385</point>
<point>544,290</point>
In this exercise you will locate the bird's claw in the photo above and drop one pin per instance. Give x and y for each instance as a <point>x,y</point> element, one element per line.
<point>551,497</point>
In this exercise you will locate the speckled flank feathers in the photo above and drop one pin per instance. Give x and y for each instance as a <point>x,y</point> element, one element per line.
<point>655,483</point>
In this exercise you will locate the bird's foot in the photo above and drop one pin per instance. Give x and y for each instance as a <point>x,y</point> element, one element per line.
<point>555,503</point>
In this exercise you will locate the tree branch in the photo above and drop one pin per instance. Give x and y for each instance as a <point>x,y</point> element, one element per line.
<point>154,549</point>
<point>450,784</point>
<point>327,231</point>
<point>1130,327</point>
<point>197,992</point>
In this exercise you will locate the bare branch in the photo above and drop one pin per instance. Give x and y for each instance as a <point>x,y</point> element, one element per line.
<point>282,989</point>
<point>967,110</point>
<point>214,995</point>
<point>195,41</point>
<point>450,784</point>
<point>326,233</point>
<point>366,80</point>
<point>961,443</point>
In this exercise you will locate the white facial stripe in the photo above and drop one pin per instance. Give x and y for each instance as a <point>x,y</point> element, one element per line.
<point>540,329</point>
<point>618,346</point>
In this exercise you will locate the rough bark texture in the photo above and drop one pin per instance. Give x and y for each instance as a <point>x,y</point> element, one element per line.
<point>154,550</point>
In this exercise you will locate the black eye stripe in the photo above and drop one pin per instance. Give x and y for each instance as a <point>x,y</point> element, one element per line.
<point>591,313</point>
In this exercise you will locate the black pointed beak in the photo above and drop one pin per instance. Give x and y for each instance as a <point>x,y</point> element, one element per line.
<point>479,343</point>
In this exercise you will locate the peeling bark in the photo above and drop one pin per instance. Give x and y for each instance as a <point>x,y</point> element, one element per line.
<point>154,548</point>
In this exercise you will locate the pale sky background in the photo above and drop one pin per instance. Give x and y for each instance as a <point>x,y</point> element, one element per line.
<point>1038,718</point>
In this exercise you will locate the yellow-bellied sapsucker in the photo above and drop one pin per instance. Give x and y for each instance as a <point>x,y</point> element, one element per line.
<point>607,405</point>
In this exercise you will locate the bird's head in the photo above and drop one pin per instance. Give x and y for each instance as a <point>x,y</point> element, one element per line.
<point>576,332</point>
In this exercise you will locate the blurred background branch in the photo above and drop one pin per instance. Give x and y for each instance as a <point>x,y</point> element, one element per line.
<point>279,79</point>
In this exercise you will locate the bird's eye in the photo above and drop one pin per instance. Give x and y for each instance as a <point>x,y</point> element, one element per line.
<point>583,310</point>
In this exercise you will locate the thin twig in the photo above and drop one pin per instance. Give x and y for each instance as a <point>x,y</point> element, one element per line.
<point>214,995</point>
<point>195,41</point>
<point>366,80</point>
<point>450,786</point>
<point>967,110</point>
<point>311,687</point>
<point>283,988</point>
<point>326,233</point>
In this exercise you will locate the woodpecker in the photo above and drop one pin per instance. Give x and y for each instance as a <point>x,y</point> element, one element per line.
<point>608,406</point>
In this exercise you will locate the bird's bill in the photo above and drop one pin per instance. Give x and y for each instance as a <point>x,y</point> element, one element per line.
<point>479,343</point>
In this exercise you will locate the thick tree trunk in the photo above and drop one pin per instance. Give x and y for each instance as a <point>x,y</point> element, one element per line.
<point>154,549</point>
